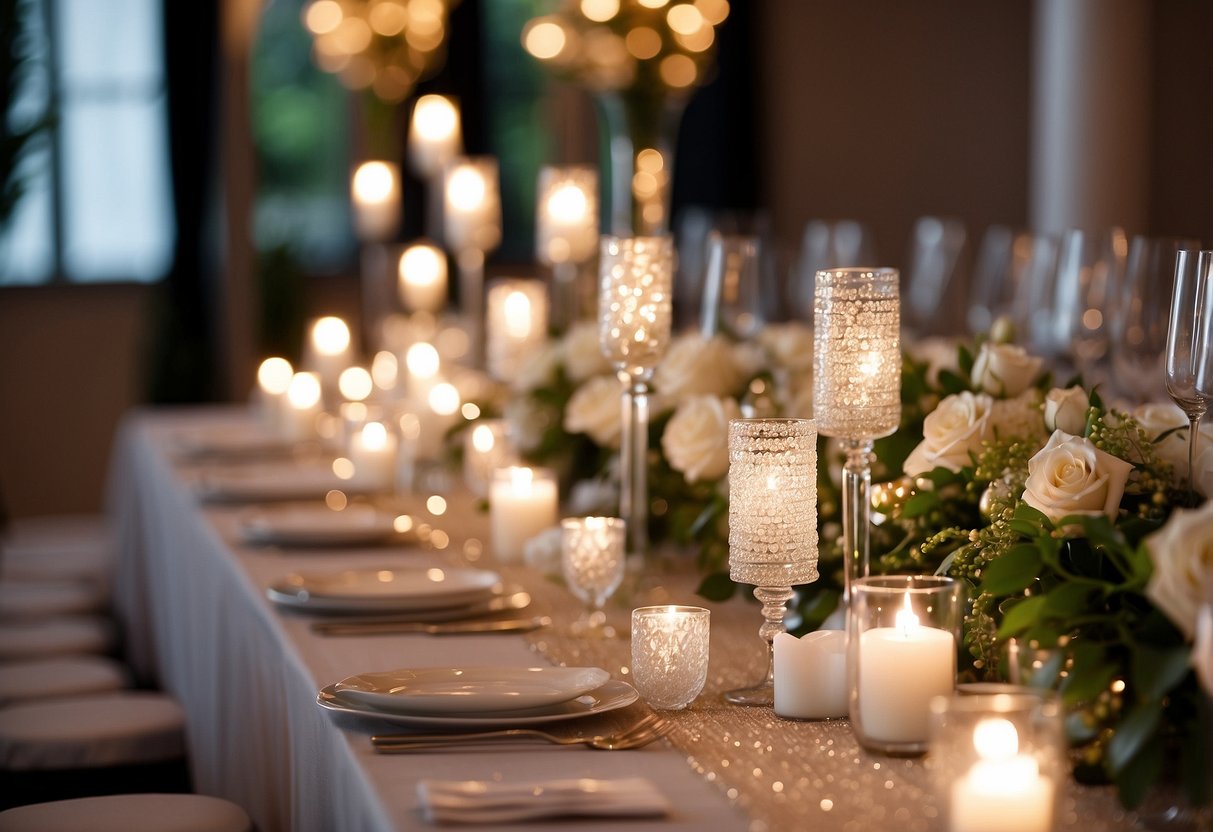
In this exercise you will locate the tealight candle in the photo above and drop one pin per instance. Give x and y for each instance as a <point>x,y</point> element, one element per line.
<point>303,397</point>
<point>1005,791</point>
<point>423,278</point>
<point>373,454</point>
<point>903,632</point>
<point>472,217</point>
<point>670,654</point>
<point>811,675</point>
<point>435,135</point>
<point>273,381</point>
<point>522,503</point>
<point>487,447</point>
<point>375,196</point>
<point>517,326</point>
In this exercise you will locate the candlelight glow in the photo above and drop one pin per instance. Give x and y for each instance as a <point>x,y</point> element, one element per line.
<point>521,481</point>
<point>422,264</point>
<point>374,182</point>
<point>482,438</point>
<point>355,384</point>
<point>274,375</point>
<point>466,188</point>
<point>384,370</point>
<point>322,17</point>
<point>568,202</point>
<point>444,399</point>
<point>996,739</point>
<point>435,118</point>
<point>684,19</point>
<point>304,391</point>
<point>330,336</point>
<point>518,315</point>
<point>374,436</point>
<point>907,621</point>
<point>422,360</point>
<point>545,40</point>
<point>599,11</point>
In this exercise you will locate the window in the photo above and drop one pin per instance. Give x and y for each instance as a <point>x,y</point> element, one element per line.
<point>98,201</point>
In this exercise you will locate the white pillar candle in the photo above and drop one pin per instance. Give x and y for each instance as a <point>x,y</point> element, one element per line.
<point>423,365</point>
<point>900,669</point>
<point>522,503</point>
<point>1004,791</point>
<point>435,134</point>
<point>487,447</point>
<point>811,675</point>
<point>373,454</point>
<point>375,197</point>
<point>517,326</point>
<point>423,278</point>
<point>303,399</point>
<point>566,221</point>
<point>273,380</point>
<point>472,216</point>
<point>328,351</point>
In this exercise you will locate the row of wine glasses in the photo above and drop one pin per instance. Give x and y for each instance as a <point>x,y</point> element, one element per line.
<point>1189,344</point>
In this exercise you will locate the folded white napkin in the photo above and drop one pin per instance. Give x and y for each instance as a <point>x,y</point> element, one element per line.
<point>479,801</point>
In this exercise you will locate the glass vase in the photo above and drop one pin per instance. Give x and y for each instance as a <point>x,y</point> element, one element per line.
<point>641,128</point>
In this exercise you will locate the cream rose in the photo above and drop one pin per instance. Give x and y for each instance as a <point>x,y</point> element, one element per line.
<point>1182,552</point>
<point>595,409</point>
<point>537,369</point>
<point>696,439</point>
<point>1019,416</point>
<point>790,346</point>
<point>1069,475</point>
<point>695,366</point>
<point>527,420</point>
<point>1004,369</point>
<point>1156,419</point>
<point>1066,409</point>
<point>951,433</point>
<point>938,354</point>
<point>583,356</point>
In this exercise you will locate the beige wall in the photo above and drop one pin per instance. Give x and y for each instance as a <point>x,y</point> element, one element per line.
<point>70,365</point>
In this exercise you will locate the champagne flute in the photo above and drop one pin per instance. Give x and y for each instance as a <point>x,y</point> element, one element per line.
<point>1182,333</point>
<point>732,290</point>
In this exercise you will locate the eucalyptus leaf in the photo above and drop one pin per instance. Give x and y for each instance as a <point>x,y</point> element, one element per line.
<point>1156,671</point>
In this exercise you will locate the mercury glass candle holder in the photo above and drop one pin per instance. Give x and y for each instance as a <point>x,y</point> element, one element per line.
<point>902,636</point>
<point>857,387</point>
<point>998,760</point>
<point>517,326</point>
<point>592,557</point>
<point>772,523</point>
<point>670,654</point>
<point>566,236</point>
<point>636,277</point>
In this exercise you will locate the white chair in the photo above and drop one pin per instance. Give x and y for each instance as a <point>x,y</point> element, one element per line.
<point>129,813</point>
<point>66,676</point>
<point>37,598</point>
<point>57,547</point>
<point>61,636</point>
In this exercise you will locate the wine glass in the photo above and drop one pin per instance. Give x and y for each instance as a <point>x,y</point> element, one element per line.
<point>1188,347</point>
<point>593,559</point>
<point>732,290</point>
<point>933,278</point>
<point>1142,314</point>
<point>1089,268</point>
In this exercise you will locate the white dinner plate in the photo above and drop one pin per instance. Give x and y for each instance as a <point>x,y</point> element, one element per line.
<point>449,691</point>
<point>240,440</point>
<point>391,589</point>
<point>611,696</point>
<point>316,525</point>
<point>271,482</point>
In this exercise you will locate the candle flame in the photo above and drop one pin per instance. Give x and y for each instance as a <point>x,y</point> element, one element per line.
<point>568,202</point>
<point>330,336</point>
<point>422,265</point>
<point>517,308</point>
<point>374,436</point>
<point>355,383</point>
<point>274,375</point>
<point>996,739</point>
<point>466,188</point>
<point>374,182</point>
<point>422,360</point>
<point>482,438</point>
<point>907,621</point>
<point>435,118</point>
<point>304,391</point>
<point>521,481</point>
<point>444,399</point>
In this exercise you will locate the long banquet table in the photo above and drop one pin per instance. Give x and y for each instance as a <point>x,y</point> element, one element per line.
<point>198,623</point>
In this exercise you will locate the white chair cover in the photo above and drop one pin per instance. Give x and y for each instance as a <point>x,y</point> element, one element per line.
<point>26,599</point>
<point>129,813</point>
<point>46,637</point>
<point>66,676</point>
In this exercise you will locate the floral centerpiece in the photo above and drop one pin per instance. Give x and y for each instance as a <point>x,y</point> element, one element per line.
<point>1059,511</point>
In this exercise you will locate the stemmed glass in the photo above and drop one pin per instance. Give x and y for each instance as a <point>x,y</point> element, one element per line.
<point>732,289</point>
<point>592,557</point>
<point>1188,347</point>
<point>1089,267</point>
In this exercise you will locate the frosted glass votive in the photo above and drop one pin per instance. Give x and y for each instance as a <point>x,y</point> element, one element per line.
<point>670,654</point>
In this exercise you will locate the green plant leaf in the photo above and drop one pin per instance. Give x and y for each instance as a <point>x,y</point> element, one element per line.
<point>1011,572</point>
<point>1132,735</point>
<point>716,587</point>
<point>919,504</point>
<point>1197,765</point>
<point>950,383</point>
<point>1157,670</point>
<point>964,360</point>
<point>1085,683</point>
<point>1067,599</point>
<point>1021,616</point>
<point>1140,772</point>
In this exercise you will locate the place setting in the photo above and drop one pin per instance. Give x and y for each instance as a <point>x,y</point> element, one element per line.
<point>318,525</point>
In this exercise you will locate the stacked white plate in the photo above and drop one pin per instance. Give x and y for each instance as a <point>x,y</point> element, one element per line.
<point>316,524</point>
<point>478,697</point>
<point>387,590</point>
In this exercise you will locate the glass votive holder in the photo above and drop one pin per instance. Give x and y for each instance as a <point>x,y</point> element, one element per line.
<point>903,636</point>
<point>670,654</point>
<point>486,447</point>
<point>522,503</point>
<point>592,557</point>
<point>998,760</point>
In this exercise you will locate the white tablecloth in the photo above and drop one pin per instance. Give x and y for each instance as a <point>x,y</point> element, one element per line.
<point>197,622</point>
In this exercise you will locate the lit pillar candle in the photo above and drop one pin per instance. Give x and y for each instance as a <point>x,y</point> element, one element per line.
<point>472,217</point>
<point>423,364</point>
<point>900,669</point>
<point>522,503</point>
<point>435,134</point>
<point>811,675</point>
<point>375,197</point>
<point>273,381</point>
<point>423,278</point>
<point>487,447</point>
<point>517,326</point>
<point>373,454</point>
<point>303,398</point>
<point>566,222</point>
<point>1004,791</point>
<point>437,416</point>
<point>328,351</point>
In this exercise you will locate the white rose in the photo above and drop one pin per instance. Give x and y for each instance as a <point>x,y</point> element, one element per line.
<point>1020,416</point>
<point>938,354</point>
<point>951,433</point>
<point>537,369</point>
<point>527,421</point>
<point>595,408</point>
<point>583,356</point>
<point>749,359</point>
<point>1202,650</point>
<point>1004,369</point>
<point>1066,409</point>
<point>1159,417</point>
<point>1069,475</point>
<point>695,366</point>
<point>1182,552</point>
<point>696,439</point>
<point>790,346</point>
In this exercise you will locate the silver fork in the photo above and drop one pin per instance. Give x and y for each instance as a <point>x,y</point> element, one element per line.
<point>640,733</point>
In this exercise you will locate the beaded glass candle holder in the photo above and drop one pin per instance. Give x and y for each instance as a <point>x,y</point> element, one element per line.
<point>592,557</point>
<point>857,386</point>
<point>670,654</point>
<point>517,326</point>
<point>772,522</point>
<point>634,317</point>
